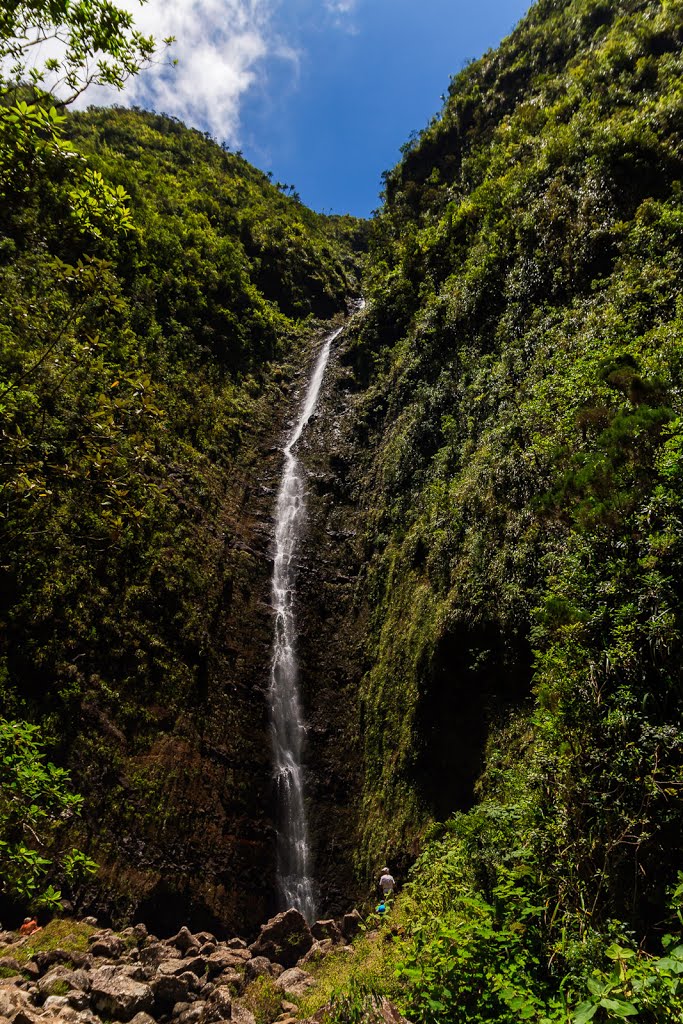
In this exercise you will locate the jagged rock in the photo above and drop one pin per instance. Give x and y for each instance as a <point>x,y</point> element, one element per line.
<point>229,977</point>
<point>55,1003</point>
<point>327,930</point>
<point>317,952</point>
<point>106,944</point>
<point>203,937</point>
<point>78,999</point>
<point>14,1003</point>
<point>284,939</point>
<point>61,976</point>
<point>350,925</point>
<point>222,960</point>
<point>192,950</point>
<point>207,949</point>
<point>218,1007</point>
<point>44,959</point>
<point>169,989</point>
<point>142,1018</point>
<point>170,968</point>
<point>241,1015</point>
<point>92,921</point>
<point>157,952</point>
<point>10,938</point>
<point>13,965</point>
<point>115,995</point>
<point>276,970</point>
<point>193,1015</point>
<point>140,932</point>
<point>182,940</point>
<point>236,944</point>
<point>256,967</point>
<point>295,982</point>
<point>180,1008</point>
<point>31,969</point>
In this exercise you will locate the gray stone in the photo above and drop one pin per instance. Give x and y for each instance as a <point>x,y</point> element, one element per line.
<point>169,990</point>
<point>92,921</point>
<point>55,1003</point>
<point>115,995</point>
<point>142,1018</point>
<point>229,977</point>
<point>241,1015</point>
<point>182,940</point>
<point>350,924</point>
<point>317,952</point>
<point>204,937</point>
<point>218,1007</point>
<point>193,1015</point>
<point>222,960</point>
<point>295,982</point>
<point>256,967</point>
<point>78,999</point>
<point>60,976</point>
<point>236,944</point>
<point>156,952</point>
<point>328,929</point>
<point>106,944</point>
<point>284,939</point>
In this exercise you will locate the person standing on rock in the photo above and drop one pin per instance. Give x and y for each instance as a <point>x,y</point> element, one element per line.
<point>387,883</point>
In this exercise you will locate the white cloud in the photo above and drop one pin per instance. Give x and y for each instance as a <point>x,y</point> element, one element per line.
<point>222,48</point>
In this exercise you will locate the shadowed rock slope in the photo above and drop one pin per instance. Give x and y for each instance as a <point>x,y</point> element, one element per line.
<point>147,368</point>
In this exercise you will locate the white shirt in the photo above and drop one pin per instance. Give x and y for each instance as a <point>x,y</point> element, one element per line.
<point>387,883</point>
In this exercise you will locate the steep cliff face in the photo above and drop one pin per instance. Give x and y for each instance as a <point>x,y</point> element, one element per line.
<point>516,457</point>
<point>147,373</point>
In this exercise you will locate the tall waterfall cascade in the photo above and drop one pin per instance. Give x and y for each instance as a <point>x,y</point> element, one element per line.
<point>295,882</point>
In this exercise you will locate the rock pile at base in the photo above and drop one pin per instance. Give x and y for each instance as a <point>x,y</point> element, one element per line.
<point>135,978</point>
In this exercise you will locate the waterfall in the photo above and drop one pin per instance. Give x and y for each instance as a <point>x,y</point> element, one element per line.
<point>295,883</point>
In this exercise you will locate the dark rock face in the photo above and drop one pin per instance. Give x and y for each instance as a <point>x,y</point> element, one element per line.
<point>331,634</point>
<point>284,939</point>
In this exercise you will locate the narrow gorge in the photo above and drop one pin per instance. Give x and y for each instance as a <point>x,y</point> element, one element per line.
<point>291,590</point>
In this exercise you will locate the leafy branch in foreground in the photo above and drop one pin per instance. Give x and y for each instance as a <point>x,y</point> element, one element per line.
<point>35,801</point>
<point>68,46</point>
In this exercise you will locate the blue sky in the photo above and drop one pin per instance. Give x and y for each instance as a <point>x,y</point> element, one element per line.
<point>321,92</point>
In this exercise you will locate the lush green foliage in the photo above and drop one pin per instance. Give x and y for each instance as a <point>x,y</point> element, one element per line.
<point>146,340</point>
<point>35,800</point>
<point>522,355</point>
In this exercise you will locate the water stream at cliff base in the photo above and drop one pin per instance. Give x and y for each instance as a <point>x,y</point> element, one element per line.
<point>295,882</point>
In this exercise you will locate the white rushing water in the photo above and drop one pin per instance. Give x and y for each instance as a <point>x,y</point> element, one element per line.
<point>288,729</point>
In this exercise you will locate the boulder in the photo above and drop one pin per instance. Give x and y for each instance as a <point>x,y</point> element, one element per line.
<point>92,921</point>
<point>142,1018</point>
<point>182,940</point>
<point>61,979</point>
<point>14,1003</point>
<point>241,1015</point>
<point>222,960</point>
<point>115,995</point>
<point>203,937</point>
<point>236,944</point>
<point>173,968</point>
<point>256,967</point>
<point>155,952</point>
<point>295,982</point>
<point>78,999</point>
<point>317,952</point>
<point>106,944</point>
<point>55,1003</point>
<point>169,990</point>
<point>193,1015</point>
<point>14,965</point>
<point>229,977</point>
<point>350,925</point>
<point>218,1007</point>
<point>284,939</point>
<point>327,930</point>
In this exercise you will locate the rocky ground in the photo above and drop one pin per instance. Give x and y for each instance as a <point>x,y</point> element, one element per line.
<point>133,976</point>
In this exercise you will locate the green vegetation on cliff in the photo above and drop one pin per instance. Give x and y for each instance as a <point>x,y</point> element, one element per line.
<point>158,297</point>
<point>522,351</point>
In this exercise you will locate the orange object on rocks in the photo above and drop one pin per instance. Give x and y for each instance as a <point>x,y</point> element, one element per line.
<point>30,926</point>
